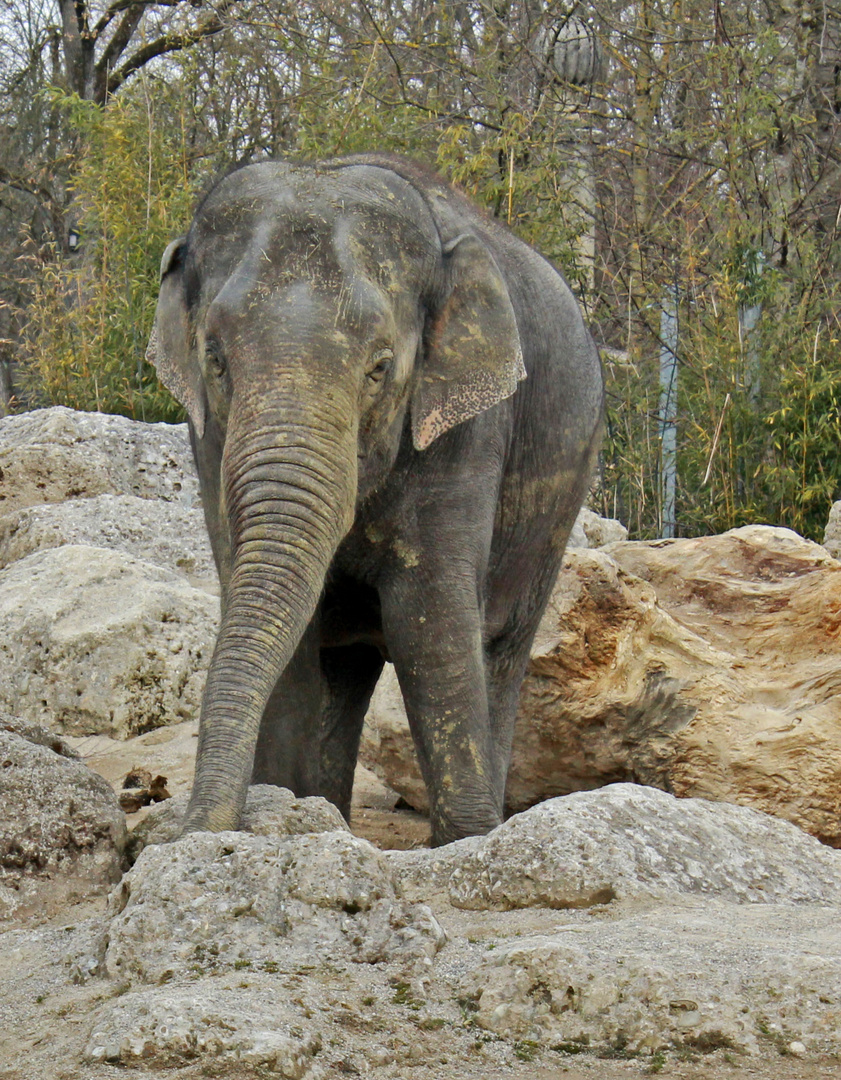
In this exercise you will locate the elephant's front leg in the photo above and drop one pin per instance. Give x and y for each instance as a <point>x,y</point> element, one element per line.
<point>433,631</point>
<point>287,752</point>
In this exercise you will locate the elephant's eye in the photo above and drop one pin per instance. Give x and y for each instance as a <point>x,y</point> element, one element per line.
<point>380,365</point>
<point>214,357</point>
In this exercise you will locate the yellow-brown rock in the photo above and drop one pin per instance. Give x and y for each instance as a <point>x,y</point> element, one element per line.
<point>707,667</point>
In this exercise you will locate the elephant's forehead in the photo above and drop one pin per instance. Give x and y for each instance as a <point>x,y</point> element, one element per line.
<point>304,201</point>
<point>280,225</point>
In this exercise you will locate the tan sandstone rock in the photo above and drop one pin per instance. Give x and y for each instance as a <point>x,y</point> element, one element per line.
<point>707,667</point>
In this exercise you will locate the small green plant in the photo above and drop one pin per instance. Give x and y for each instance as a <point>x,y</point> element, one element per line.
<point>658,1060</point>
<point>432,1023</point>
<point>619,1051</point>
<point>709,1041</point>
<point>469,1007</point>
<point>526,1049</point>
<point>574,1046</point>
<point>403,996</point>
<point>780,1039</point>
<point>485,1038</point>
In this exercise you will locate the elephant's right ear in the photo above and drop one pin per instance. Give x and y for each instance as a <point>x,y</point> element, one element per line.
<point>169,347</point>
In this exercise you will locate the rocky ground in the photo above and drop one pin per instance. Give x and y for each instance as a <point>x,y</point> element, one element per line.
<point>608,934</point>
<point>619,933</point>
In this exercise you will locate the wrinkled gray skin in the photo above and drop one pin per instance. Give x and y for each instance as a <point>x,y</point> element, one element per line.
<point>380,479</point>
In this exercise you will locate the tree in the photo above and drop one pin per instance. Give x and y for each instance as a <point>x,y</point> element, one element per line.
<point>87,50</point>
<point>101,50</point>
<point>705,158</point>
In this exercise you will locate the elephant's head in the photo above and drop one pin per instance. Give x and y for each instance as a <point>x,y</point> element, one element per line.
<point>304,315</point>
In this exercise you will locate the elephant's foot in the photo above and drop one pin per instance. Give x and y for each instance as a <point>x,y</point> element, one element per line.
<point>451,822</point>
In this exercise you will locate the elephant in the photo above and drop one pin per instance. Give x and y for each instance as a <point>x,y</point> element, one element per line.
<point>394,407</point>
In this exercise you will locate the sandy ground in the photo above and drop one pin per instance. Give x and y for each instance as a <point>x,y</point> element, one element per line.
<point>44,1018</point>
<point>170,752</point>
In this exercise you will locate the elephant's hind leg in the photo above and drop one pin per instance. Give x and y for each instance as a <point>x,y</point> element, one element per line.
<point>516,616</point>
<point>350,674</point>
<point>506,662</point>
<point>287,746</point>
<point>439,663</point>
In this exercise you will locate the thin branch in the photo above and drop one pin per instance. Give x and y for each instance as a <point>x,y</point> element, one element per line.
<point>716,441</point>
<point>28,187</point>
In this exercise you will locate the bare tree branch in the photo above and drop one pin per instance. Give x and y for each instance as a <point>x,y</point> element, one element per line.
<point>168,43</point>
<point>121,5</point>
<point>118,44</point>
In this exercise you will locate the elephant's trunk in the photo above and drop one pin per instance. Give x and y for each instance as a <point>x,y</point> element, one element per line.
<point>290,487</point>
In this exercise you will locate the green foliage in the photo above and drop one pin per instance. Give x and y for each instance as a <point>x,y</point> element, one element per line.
<point>759,413</point>
<point>92,313</point>
<point>351,108</point>
<point>526,174</point>
<point>727,196</point>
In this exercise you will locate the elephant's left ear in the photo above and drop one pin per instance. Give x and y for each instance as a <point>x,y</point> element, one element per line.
<point>473,356</point>
<point>169,347</point>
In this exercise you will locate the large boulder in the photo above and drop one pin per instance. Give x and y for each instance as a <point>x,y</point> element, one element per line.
<point>765,728</point>
<point>715,880</point>
<point>255,1034</point>
<point>56,454</point>
<point>93,640</point>
<point>62,833</point>
<point>216,902</point>
<point>160,531</point>
<point>227,943</point>
<point>695,979</point>
<point>706,667</point>
<point>626,842</point>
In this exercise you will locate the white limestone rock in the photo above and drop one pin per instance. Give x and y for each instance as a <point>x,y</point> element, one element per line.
<point>697,977</point>
<point>260,1032</point>
<point>213,901</point>
<point>832,532</point>
<point>95,641</point>
<point>62,832</point>
<point>38,734</point>
<point>269,811</point>
<point>55,454</point>
<point>159,531</point>
<point>625,842</point>
<point>592,531</point>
